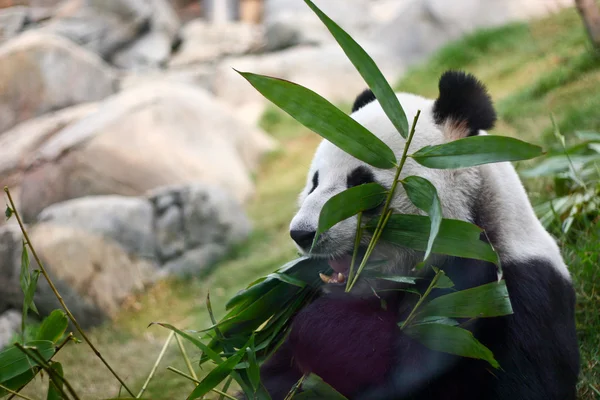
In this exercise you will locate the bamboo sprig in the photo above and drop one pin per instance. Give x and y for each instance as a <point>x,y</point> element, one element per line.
<point>22,396</point>
<point>196,381</point>
<point>155,366</point>
<point>387,211</point>
<point>58,296</point>
<point>184,354</point>
<point>35,355</point>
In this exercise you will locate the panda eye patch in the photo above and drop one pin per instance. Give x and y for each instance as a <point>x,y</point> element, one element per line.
<point>359,176</point>
<point>315,182</point>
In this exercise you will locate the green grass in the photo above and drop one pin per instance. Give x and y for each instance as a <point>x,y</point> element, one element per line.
<point>532,70</point>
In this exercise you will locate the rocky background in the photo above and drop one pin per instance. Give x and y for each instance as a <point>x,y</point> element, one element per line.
<point>130,143</point>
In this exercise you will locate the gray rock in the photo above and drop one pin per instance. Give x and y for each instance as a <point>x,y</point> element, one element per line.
<point>125,220</point>
<point>93,274</point>
<point>199,75</point>
<point>170,235</point>
<point>10,325</point>
<point>11,241</point>
<point>101,26</point>
<point>12,21</point>
<point>324,69</point>
<point>207,43</point>
<point>141,139</point>
<point>212,216</point>
<point>298,24</point>
<point>194,261</point>
<point>41,73</point>
<point>153,49</point>
<point>199,227</point>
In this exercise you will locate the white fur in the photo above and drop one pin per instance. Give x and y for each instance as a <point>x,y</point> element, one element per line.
<point>518,235</point>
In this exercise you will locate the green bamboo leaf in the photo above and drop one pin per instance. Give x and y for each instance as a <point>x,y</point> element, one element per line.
<point>435,320</point>
<point>253,368</point>
<point>55,386</point>
<point>287,279</point>
<point>8,212</point>
<point>24,276</point>
<point>367,68</point>
<point>348,203</point>
<point>442,280</point>
<point>53,327</point>
<point>30,292</point>
<point>18,381</point>
<point>303,269</point>
<point>455,238</point>
<point>424,196</point>
<point>14,362</point>
<point>323,118</point>
<point>490,300</point>
<point>314,388</point>
<point>195,341</point>
<point>475,150</point>
<point>217,375</point>
<point>451,339</point>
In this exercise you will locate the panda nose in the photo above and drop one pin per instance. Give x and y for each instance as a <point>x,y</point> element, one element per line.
<point>303,238</point>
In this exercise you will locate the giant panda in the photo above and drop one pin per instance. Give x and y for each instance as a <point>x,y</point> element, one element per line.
<point>354,344</point>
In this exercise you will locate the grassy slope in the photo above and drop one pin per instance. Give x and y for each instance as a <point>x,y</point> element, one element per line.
<point>531,70</point>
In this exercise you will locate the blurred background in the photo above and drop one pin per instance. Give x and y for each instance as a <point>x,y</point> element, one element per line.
<point>148,172</point>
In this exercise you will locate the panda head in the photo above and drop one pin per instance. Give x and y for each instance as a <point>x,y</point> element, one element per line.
<point>462,109</point>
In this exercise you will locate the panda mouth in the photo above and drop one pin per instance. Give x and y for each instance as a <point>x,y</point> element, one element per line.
<point>340,267</point>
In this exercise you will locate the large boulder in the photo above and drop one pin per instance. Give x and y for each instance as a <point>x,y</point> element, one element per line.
<point>152,49</point>
<point>203,42</point>
<point>18,143</point>
<point>94,275</point>
<point>12,21</point>
<point>101,26</point>
<point>10,325</point>
<point>291,22</point>
<point>195,226</point>
<point>421,27</point>
<point>128,221</point>
<point>41,73</point>
<point>141,139</point>
<point>325,70</point>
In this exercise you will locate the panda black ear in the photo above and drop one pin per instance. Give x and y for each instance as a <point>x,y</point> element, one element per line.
<point>363,99</point>
<point>464,103</point>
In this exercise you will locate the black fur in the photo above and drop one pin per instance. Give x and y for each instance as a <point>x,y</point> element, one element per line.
<point>315,182</point>
<point>536,346</point>
<point>464,100</point>
<point>359,176</point>
<point>363,99</point>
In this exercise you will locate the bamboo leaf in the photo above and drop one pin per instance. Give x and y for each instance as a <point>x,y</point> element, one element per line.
<point>55,386</point>
<point>217,375</point>
<point>475,150</point>
<point>195,341</point>
<point>424,196</point>
<point>490,300</point>
<point>314,388</point>
<point>367,68</point>
<point>455,238</point>
<point>348,203</point>
<point>18,381</point>
<point>253,368</point>
<point>451,339</point>
<point>8,212</point>
<point>323,118</point>
<point>30,292</point>
<point>53,327</point>
<point>14,362</point>
<point>442,280</point>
